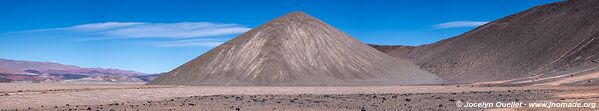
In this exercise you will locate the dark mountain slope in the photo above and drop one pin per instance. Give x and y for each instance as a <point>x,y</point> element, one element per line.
<point>548,40</point>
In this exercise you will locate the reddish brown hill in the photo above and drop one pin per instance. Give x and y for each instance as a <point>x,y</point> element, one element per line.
<point>32,67</point>
<point>398,51</point>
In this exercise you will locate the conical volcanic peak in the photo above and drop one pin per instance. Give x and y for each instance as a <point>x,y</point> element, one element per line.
<point>297,15</point>
<point>296,49</point>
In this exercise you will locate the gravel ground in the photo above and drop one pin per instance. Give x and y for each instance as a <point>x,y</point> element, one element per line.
<point>144,97</point>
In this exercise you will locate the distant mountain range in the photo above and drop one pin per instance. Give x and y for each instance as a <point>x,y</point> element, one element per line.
<point>17,70</point>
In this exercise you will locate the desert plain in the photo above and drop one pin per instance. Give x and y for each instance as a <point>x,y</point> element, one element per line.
<point>29,96</point>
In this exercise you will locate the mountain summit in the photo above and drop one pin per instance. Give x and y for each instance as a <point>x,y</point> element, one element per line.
<point>295,49</point>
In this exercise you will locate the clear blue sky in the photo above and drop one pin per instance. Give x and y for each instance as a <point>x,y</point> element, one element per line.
<point>158,35</point>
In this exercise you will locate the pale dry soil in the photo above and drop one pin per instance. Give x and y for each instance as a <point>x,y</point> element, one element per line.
<point>149,97</point>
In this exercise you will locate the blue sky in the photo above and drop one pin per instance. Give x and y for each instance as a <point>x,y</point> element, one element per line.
<point>155,36</point>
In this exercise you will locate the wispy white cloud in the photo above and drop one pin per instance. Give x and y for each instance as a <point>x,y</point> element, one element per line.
<point>123,30</point>
<point>200,42</point>
<point>458,24</point>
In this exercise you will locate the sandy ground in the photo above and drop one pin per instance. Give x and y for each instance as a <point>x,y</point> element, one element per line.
<point>574,79</point>
<point>147,97</point>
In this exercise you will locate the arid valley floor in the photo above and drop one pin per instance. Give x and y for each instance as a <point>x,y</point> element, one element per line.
<point>24,96</point>
<point>255,58</point>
